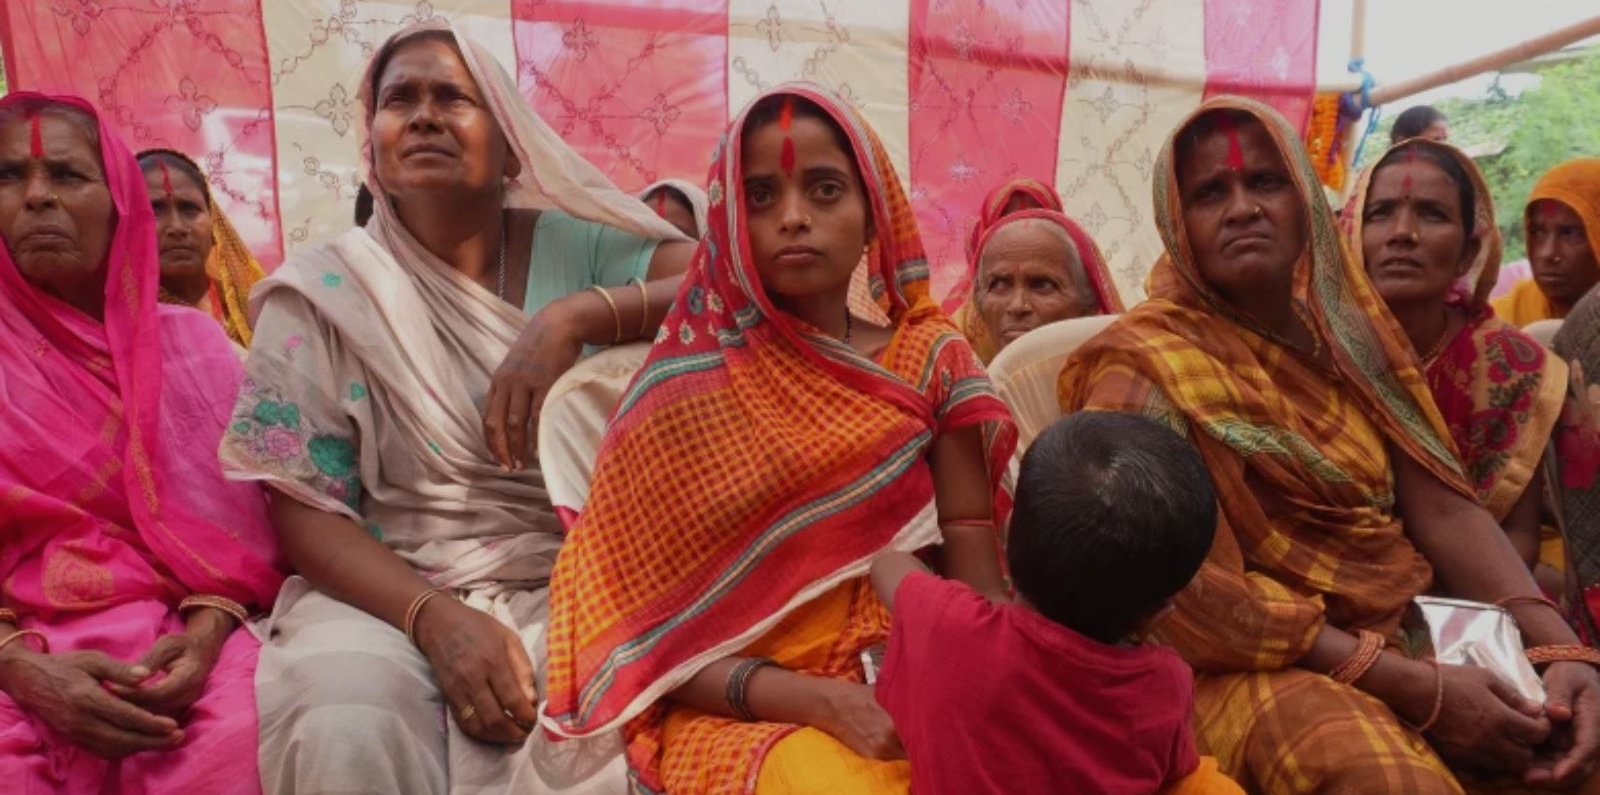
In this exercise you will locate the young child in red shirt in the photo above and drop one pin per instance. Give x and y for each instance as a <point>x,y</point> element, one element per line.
<point>1056,691</point>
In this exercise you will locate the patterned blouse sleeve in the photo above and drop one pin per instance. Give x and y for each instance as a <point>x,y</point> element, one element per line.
<point>292,427</point>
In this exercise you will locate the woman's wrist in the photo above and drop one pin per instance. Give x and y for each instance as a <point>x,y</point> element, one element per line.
<point>566,316</point>
<point>1408,687</point>
<point>210,626</point>
<point>777,695</point>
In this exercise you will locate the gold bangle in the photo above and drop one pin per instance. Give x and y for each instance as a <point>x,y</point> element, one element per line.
<point>616,316</point>
<point>416,609</point>
<point>644,308</point>
<point>44,642</point>
<point>222,603</point>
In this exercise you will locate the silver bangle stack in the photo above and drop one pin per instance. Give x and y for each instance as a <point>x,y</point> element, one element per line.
<point>738,680</point>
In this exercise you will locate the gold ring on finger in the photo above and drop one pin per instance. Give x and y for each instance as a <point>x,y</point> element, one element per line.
<point>466,713</point>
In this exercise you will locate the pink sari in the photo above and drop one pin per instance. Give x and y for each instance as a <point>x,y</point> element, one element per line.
<point>113,506</point>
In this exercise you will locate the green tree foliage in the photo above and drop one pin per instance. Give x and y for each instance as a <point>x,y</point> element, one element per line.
<point>1546,125</point>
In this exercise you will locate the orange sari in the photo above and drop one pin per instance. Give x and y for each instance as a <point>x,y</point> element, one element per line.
<point>1298,447</point>
<point>751,473</point>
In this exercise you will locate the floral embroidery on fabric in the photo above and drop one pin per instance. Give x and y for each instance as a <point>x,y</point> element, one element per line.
<point>696,300</point>
<point>270,432</point>
<point>1487,412</point>
<point>332,280</point>
<point>358,391</point>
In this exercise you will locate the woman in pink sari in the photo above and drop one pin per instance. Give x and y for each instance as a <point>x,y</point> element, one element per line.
<point>127,562</point>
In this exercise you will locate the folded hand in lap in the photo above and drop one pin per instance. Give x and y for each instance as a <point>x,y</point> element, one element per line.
<point>483,669</point>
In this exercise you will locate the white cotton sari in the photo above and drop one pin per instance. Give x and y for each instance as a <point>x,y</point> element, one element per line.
<point>363,397</point>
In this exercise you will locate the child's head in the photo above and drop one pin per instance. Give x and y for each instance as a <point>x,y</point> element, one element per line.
<point>807,211</point>
<point>1114,515</point>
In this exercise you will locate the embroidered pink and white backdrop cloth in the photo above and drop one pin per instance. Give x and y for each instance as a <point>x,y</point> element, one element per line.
<point>965,93</point>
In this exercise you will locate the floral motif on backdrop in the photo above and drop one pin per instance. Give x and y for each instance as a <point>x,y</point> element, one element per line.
<point>965,93</point>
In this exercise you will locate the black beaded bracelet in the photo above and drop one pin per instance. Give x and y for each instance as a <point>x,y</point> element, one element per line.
<point>738,679</point>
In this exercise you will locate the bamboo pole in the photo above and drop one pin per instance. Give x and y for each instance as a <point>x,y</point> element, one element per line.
<point>1539,45</point>
<point>1352,136</point>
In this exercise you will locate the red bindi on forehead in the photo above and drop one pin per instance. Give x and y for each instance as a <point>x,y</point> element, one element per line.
<point>35,137</point>
<point>785,121</point>
<point>1405,182</point>
<point>166,179</point>
<point>661,202</point>
<point>1235,149</point>
<point>1549,212</point>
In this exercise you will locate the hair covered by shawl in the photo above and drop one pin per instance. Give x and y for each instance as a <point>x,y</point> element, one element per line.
<point>811,458</point>
<point>1092,273</point>
<point>230,266</point>
<point>87,402</point>
<point>693,196</point>
<point>1364,340</point>
<point>1479,280</point>
<point>1575,183</point>
<point>554,176</point>
<point>1271,422</point>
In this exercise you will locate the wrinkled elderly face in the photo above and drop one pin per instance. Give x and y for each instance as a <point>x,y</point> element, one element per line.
<point>56,212</point>
<point>1029,275</point>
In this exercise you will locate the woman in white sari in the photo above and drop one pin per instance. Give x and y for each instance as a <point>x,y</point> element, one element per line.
<point>408,655</point>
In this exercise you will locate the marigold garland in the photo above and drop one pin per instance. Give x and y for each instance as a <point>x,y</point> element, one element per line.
<point>1325,140</point>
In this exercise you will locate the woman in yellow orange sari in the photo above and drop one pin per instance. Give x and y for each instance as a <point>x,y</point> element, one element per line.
<point>716,605</point>
<point>1340,493</point>
<point>1421,223</point>
<point>204,262</point>
<point>1562,219</point>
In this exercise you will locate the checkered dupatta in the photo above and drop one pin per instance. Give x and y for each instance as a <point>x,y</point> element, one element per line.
<point>755,463</point>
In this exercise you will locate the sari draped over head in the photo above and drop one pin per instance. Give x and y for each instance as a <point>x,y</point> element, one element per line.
<point>1095,271</point>
<point>230,266</point>
<point>108,428</point>
<point>1298,446</point>
<point>364,398</point>
<point>699,203</point>
<point>1576,184</point>
<point>809,459</point>
<point>358,406</point>
<point>1308,532</point>
<point>991,211</point>
<point>1497,389</point>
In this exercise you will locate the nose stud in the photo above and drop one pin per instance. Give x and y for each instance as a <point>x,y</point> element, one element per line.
<point>1257,212</point>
